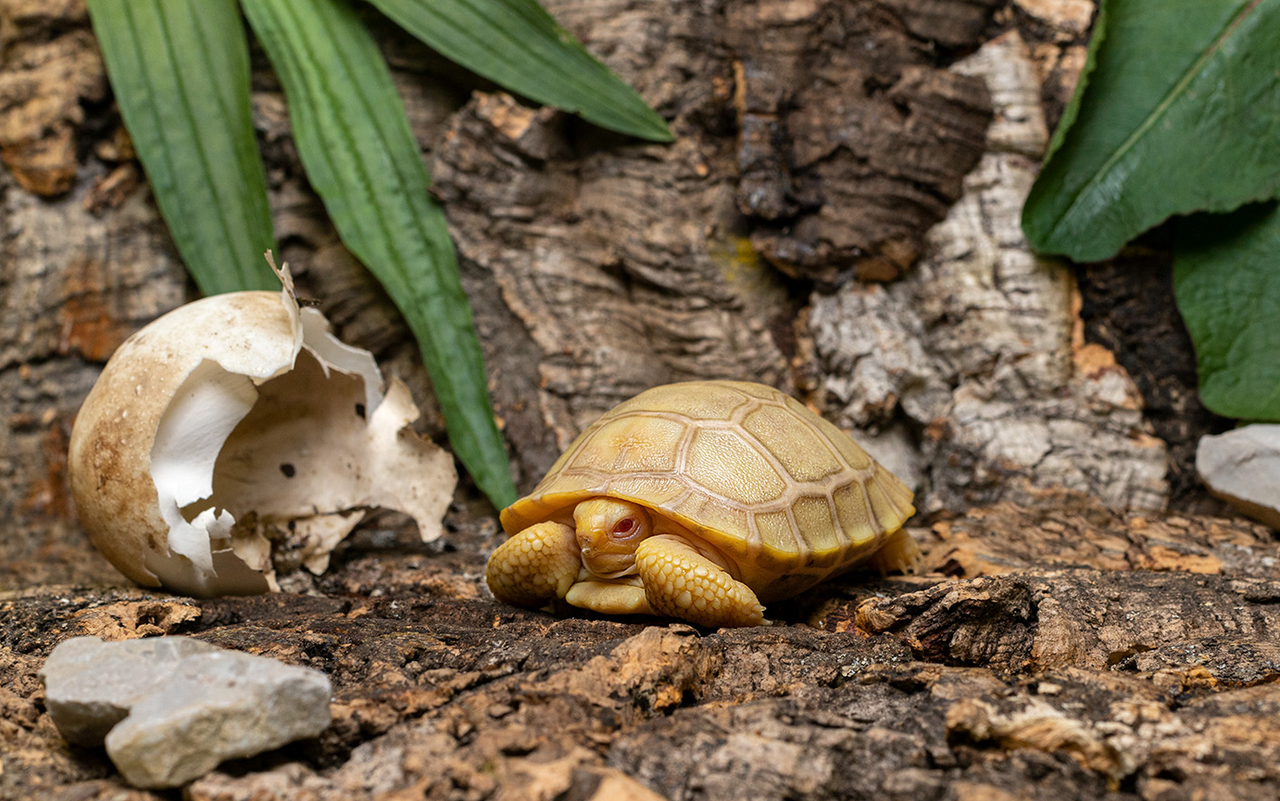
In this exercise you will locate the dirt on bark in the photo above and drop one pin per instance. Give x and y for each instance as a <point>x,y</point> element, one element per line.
<point>1071,653</point>
<point>1067,637</point>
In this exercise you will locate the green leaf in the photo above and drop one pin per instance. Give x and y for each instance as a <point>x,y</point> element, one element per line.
<point>1072,109</point>
<point>354,140</point>
<point>1227,286</point>
<point>180,71</point>
<point>517,44</point>
<point>1180,115</point>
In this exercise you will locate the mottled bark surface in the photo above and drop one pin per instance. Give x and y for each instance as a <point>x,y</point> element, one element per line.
<point>1128,308</point>
<point>814,139</point>
<point>1066,637</point>
<point>1074,653</point>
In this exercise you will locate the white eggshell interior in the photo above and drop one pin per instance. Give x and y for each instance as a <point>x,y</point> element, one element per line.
<point>287,443</point>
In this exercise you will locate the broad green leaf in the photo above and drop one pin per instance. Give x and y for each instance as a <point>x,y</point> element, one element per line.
<point>1180,115</point>
<point>1227,283</point>
<point>354,140</point>
<point>1072,109</point>
<point>180,71</point>
<point>517,44</point>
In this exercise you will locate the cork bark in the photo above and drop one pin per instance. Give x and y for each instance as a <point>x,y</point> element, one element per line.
<point>837,217</point>
<point>1075,653</point>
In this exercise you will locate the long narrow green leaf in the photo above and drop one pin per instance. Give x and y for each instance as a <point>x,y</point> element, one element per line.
<point>517,44</point>
<point>1180,115</point>
<point>354,140</point>
<point>1228,290</point>
<point>180,70</point>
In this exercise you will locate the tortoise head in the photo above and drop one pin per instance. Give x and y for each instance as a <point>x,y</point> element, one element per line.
<point>608,532</point>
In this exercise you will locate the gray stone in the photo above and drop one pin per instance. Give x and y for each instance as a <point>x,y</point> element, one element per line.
<point>1243,468</point>
<point>92,685</point>
<point>169,709</point>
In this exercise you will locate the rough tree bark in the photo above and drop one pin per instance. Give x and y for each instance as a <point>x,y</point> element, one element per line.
<point>1051,654</point>
<point>838,217</point>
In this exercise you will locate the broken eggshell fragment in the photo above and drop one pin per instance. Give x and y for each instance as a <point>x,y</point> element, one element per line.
<point>237,421</point>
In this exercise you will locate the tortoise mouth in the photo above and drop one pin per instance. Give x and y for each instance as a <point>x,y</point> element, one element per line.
<point>617,574</point>
<point>608,565</point>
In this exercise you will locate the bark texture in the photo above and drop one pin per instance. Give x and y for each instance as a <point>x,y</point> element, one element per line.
<point>1065,638</point>
<point>980,348</point>
<point>1069,653</point>
<point>819,139</point>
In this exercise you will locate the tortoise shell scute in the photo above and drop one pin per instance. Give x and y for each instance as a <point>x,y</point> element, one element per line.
<point>785,495</point>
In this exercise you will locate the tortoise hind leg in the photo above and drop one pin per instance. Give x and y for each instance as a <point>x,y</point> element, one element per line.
<point>681,582</point>
<point>535,566</point>
<point>897,554</point>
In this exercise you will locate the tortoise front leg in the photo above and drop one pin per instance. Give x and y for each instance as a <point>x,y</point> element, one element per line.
<point>535,566</point>
<point>681,582</point>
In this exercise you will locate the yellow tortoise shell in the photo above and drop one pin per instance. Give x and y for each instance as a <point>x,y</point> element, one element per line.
<point>786,495</point>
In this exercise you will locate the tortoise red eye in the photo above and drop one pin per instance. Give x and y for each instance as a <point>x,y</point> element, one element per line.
<point>624,526</point>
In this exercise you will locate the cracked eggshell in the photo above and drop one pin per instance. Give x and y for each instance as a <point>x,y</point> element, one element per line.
<point>236,422</point>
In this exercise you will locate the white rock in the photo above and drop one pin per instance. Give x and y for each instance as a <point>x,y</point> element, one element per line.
<point>1243,468</point>
<point>169,709</point>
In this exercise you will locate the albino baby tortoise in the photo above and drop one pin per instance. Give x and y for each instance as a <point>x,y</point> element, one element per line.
<point>698,501</point>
